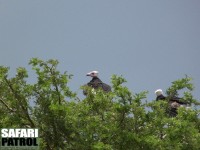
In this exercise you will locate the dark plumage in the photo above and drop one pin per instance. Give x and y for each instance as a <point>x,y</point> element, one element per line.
<point>95,83</point>
<point>160,97</point>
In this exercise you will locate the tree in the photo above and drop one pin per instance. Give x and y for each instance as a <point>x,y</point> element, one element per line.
<point>117,120</point>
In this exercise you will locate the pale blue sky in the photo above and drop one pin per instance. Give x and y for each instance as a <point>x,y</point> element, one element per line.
<point>149,42</point>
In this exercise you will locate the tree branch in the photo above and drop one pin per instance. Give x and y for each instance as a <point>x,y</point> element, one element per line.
<point>10,109</point>
<point>18,98</point>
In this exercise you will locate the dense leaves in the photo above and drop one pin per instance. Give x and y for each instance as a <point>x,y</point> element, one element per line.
<point>117,120</point>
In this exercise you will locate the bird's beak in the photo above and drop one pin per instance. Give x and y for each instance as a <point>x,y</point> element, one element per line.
<point>87,74</point>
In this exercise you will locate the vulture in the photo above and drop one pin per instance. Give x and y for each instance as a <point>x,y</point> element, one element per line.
<point>174,102</point>
<point>96,83</point>
<point>159,94</point>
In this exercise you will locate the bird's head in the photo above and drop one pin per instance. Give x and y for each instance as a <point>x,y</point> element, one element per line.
<point>159,92</point>
<point>92,74</point>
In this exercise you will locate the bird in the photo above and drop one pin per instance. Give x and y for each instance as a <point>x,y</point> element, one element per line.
<point>96,83</point>
<point>173,102</point>
<point>160,96</point>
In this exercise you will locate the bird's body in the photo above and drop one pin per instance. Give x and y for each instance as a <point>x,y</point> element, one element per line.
<point>95,83</point>
<point>160,97</point>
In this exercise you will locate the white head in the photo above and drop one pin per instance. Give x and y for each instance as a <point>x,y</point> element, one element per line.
<point>92,74</point>
<point>158,92</point>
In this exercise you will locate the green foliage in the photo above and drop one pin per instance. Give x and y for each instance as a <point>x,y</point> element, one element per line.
<point>102,121</point>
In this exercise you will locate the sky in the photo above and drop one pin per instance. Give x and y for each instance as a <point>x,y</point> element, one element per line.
<point>150,43</point>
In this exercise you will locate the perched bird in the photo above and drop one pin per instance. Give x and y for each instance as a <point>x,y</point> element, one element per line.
<point>174,102</point>
<point>160,96</point>
<point>96,83</point>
